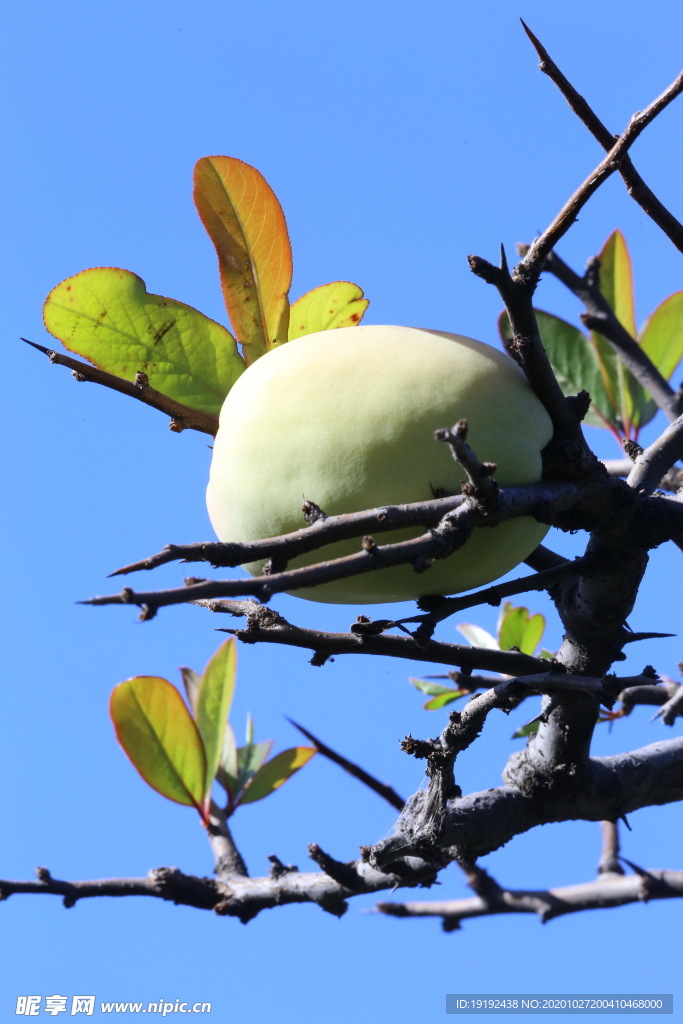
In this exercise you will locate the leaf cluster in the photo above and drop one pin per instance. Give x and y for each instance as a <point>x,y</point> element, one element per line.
<point>106,314</point>
<point>180,751</point>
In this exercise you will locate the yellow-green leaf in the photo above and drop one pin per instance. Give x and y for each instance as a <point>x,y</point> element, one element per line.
<point>272,775</point>
<point>441,701</point>
<point>213,704</point>
<point>517,628</point>
<point>616,285</point>
<point>616,280</point>
<point>106,315</point>
<point>340,304</point>
<point>246,224</point>
<point>662,341</point>
<point>439,695</point>
<point>157,733</point>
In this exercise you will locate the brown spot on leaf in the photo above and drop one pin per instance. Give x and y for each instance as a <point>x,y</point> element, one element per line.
<point>355,317</point>
<point>162,330</point>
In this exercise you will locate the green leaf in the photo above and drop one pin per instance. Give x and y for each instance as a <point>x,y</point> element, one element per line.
<point>157,733</point>
<point>107,316</point>
<point>662,341</point>
<point>477,636</point>
<point>616,280</point>
<point>441,695</point>
<point>528,729</point>
<point>445,698</point>
<point>227,771</point>
<point>577,363</point>
<point>249,760</point>
<point>432,689</point>
<point>616,285</point>
<point>340,304</point>
<point>213,704</point>
<point>272,775</point>
<point>246,224</point>
<point>517,628</point>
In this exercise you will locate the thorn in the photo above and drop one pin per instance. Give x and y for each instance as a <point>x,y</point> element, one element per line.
<point>535,42</point>
<point>649,636</point>
<point>634,867</point>
<point>41,348</point>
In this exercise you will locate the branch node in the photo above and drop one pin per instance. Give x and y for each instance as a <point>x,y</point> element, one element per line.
<point>312,512</point>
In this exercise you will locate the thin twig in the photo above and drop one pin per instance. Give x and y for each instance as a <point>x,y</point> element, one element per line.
<point>637,188</point>
<point>182,416</point>
<point>381,788</point>
<point>609,857</point>
<point>602,893</point>
<point>480,484</point>
<point>545,580</point>
<point>162,883</point>
<point>228,859</point>
<point>242,897</point>
<point>324,530</point>
<point>526,348</point>
<point>326,645</point>
<point>673,708</point>
<point>656,460</point>
<point>600,317</point>
<point>540,248</point>
<point>451,532</point>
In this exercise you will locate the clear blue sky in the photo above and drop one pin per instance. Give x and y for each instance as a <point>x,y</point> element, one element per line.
<point>399,138</point>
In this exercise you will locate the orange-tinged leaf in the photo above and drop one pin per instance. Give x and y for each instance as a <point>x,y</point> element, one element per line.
<point>213,704</point>
<point>159,736</point>
<point>272,775</point>
<point>246,224</point>
<point>107,315</point>
<point>340,304</point>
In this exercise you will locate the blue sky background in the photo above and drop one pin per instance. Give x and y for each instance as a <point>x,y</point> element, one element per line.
<point>399,138</point>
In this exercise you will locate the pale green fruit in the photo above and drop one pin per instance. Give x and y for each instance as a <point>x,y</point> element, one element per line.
<point>346,418</point>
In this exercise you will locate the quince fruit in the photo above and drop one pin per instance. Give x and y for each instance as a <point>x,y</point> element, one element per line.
<point>346,419</point>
